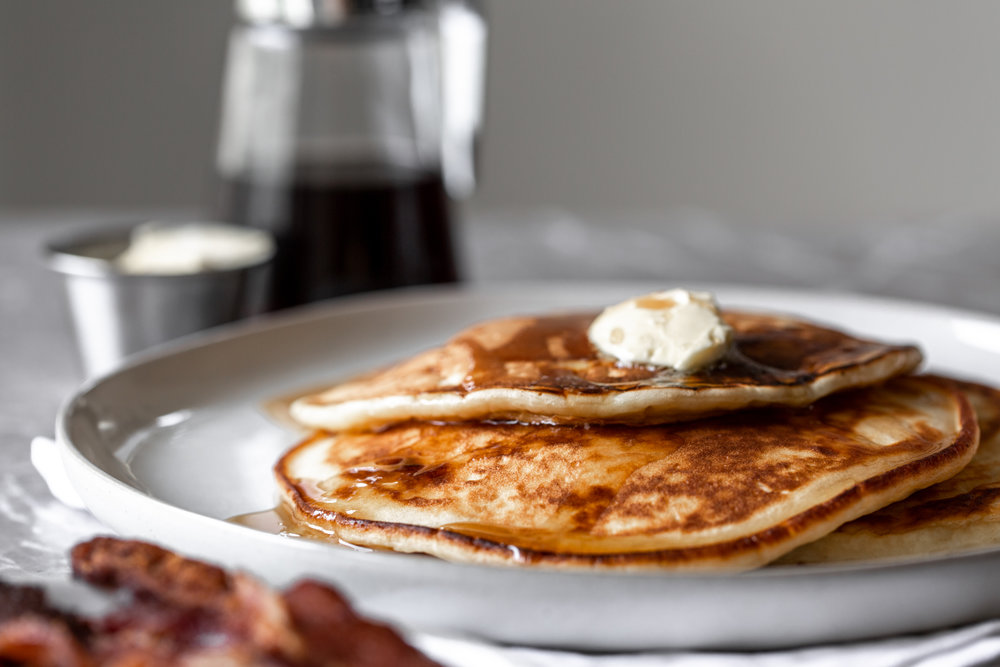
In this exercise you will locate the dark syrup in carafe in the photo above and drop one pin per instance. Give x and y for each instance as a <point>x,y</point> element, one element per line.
<point>347,230</point>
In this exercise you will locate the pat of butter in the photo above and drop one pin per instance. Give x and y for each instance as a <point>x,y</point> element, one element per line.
<point>675,328</point>
<point>173,249</point>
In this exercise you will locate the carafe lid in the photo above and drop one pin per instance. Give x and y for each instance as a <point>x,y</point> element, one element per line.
<point>318,13</point>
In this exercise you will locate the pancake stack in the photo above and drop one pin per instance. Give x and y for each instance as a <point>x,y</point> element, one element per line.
<point>518,442</point>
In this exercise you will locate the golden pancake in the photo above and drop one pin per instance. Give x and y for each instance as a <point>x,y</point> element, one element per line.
<point>960,513</point>
<point>728,492</point>
<point>545,370</point>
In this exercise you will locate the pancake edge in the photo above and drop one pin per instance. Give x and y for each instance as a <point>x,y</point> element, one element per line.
<point>641,407</point>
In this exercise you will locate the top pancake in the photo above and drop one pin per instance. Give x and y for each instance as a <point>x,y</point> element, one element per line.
<point>544,370</point>
<point>960,513</point>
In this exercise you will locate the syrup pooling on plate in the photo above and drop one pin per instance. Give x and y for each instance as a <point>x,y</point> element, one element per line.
<point>275,521</point>
<point>267,521</point>
<point>278,408</point>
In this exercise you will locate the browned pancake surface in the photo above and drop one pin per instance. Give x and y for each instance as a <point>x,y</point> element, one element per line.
<point>962,512</point>
<point>553,354</point>
<point>545,370</point>
<point>727,492</point>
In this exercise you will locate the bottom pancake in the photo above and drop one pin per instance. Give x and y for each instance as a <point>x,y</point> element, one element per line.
<point>731,492</point>
<point>958,514</point>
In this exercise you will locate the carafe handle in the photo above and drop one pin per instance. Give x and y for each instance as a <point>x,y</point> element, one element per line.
<point>463,35</point>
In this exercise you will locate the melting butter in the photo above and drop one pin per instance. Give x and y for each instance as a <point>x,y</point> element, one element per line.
<point>674,328</point>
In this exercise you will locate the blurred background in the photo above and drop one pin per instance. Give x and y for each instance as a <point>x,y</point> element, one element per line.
<point>775,111</point>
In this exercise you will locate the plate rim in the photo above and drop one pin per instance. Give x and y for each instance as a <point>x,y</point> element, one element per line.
<point>389,300</point>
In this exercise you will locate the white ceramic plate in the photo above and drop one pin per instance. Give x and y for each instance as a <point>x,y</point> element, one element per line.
<point>169,447</point>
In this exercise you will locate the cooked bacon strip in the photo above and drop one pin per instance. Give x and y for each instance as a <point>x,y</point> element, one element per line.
<point>149,571</point>
<point>316,608</point>
<point>189,612</point>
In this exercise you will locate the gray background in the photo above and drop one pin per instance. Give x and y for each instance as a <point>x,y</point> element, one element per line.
<point>772,110</point>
